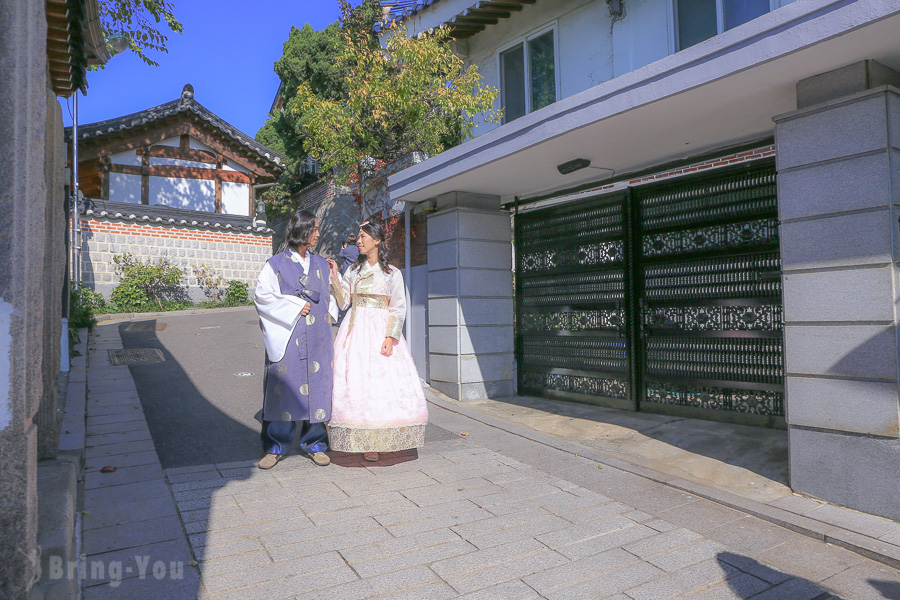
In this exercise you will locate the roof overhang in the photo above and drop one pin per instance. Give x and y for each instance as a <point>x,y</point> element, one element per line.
<point>717,94</point>
<point>466,22</point>
<point>74,42</point>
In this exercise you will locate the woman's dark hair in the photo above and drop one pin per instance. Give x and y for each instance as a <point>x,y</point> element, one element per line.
<point>351,239</point>
<point>300,227</point>
<point>376,231</point>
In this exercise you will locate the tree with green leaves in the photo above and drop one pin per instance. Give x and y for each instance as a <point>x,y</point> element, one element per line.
<point>138,22</point>
<point>403,94</point>
<point>308,58</point>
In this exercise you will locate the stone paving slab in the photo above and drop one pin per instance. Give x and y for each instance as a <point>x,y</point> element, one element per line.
<point>489,516</point>
<point>408,538</point>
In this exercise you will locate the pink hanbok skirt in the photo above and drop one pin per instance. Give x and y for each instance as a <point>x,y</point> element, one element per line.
<point>378,403</point>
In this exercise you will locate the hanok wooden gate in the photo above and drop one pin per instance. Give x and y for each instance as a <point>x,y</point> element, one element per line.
<point>666,298</point>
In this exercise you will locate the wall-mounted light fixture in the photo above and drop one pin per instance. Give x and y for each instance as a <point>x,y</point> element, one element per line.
<point>570,166</point>
<point>616,9</point>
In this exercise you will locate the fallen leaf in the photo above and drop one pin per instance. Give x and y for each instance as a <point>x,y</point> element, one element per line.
<point>109,469</point>
<point>599,466</point>
<point>85,512</point>
<point>193,563</point>
<point>464,434</point>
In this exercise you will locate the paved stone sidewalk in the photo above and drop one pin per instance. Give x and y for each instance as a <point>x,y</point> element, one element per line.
<point>462,520</point>
<point>484,515</point>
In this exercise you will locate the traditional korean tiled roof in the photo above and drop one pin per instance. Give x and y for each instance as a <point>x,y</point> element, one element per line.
<point>468,22</point>
<point>185,104</point>
<point>74,41</point>
<point>168,215</point>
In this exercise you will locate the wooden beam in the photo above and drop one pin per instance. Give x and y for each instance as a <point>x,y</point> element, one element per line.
<point>180,153</point>
<point>482,12</point>
<point>466,27</point>
<point>474,19</point>
<point>145,177</point>
<point>218,174</point>
<point>182,173</point>
<point>488,4</point>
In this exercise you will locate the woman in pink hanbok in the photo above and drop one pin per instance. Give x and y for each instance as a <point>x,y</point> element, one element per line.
<point>378,403</point>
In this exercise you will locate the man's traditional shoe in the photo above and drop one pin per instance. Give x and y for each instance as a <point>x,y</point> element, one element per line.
<point>371,456</point>
<point>269,460</point>
<point>320,458</point>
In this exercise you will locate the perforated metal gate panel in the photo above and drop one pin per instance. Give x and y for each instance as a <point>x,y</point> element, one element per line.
<point>666,299</point>
<point>711,307</point>
<point>570,281</point>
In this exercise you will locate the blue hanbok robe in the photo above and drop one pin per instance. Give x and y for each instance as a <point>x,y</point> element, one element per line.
<point>299,350</point>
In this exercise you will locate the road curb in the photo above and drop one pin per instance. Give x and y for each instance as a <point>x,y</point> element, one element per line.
<point>169,313</point>
<point>856,542</point>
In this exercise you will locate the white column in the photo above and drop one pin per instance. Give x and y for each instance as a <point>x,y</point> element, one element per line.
<point>470,297</point>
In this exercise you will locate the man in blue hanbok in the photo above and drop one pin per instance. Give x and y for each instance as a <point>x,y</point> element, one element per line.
<point>296,311</point>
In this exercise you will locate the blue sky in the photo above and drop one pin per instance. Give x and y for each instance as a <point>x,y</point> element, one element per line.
<point>226,51</point>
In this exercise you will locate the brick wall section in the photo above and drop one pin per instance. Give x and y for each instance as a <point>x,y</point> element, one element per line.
<point>234,255</point>
<point>720,161</point>
<point>313,195</point>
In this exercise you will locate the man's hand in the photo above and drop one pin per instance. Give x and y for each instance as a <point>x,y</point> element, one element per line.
<point>333,268</point>
<point>305,310</point>
<point>387,347</point>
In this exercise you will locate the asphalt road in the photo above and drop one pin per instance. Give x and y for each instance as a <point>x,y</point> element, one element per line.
<point>203,403</point>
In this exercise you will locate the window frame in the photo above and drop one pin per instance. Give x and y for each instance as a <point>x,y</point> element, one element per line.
<point>720,20</point>
<point>523,42</point>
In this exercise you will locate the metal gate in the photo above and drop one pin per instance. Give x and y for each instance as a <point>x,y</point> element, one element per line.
<point>571,337</point>
<point>666,299</point>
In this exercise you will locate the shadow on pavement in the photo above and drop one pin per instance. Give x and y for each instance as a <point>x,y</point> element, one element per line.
<point>748,577</point>
<point>757,449</point>
<point>203,416</point>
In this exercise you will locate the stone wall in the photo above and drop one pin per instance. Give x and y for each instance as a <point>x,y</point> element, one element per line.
<point>838,186</point>
<point>233,254</point>
<point>29,279</point>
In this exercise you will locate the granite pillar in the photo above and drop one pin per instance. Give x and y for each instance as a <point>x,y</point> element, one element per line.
<point>470,297</point>
<point>838,160</point>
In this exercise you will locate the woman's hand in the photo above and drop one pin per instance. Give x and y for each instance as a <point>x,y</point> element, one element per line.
<point>387,347</point>
<point>305,310</point>
<point>333,268</point>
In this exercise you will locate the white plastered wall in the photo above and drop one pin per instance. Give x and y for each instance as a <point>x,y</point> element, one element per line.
<point>235,198</point>
<point>129,157</point>
<point>591,48</point>
<point>189,194</point>
<point>124,187</point>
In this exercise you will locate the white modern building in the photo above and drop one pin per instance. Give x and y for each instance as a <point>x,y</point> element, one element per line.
<point>704,198</point>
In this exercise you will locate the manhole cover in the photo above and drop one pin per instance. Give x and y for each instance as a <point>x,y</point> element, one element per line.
<point>136,356</point>
<point>147,326</point>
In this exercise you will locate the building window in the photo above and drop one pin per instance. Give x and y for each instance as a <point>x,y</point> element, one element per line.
<point>528,75</point>
<point>698,20</point>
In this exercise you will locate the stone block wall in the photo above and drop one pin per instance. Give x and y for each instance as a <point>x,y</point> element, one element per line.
<point>470,298</point>
<point>31,270</point>
<point>838,203</point>
<point>233,254</point>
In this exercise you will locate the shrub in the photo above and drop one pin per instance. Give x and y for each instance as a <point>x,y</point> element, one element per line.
<point>142,283</point>
<point>237,293</point>
<point>84,305</point>
<point>210,281</point>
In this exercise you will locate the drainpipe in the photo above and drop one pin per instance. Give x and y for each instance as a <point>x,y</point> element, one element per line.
<point>407,232</point>
<point>76,213</point>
